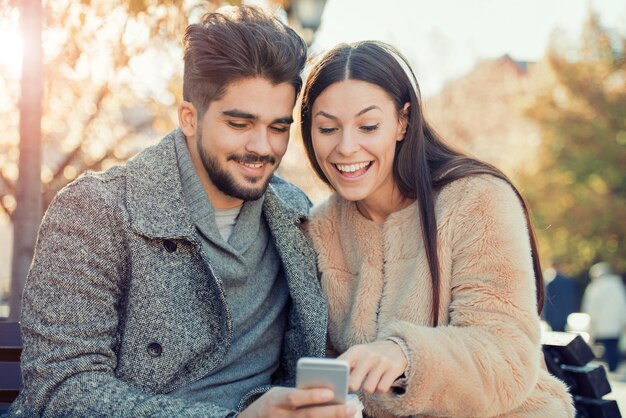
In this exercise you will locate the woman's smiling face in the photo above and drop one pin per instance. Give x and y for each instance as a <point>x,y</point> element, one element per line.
<point>355,127</point>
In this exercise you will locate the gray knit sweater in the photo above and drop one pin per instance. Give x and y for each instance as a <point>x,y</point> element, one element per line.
<point>255,288</point>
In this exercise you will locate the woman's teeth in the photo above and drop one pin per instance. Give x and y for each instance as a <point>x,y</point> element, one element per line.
<point>351,168</point>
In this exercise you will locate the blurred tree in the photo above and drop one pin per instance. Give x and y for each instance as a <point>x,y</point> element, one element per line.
<point>111,79</point>
<point>578,188</point>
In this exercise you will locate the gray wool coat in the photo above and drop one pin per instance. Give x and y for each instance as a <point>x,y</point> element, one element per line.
<point>121,306</point>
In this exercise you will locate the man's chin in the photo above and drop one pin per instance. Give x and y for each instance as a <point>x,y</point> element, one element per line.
<point>251,189</point>
<point>248,194</point>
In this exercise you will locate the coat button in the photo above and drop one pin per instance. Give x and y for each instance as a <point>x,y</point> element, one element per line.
<point>154,349</point>
<point>169,245</point>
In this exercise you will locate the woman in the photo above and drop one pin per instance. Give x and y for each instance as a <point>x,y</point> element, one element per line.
<point>427,257</point>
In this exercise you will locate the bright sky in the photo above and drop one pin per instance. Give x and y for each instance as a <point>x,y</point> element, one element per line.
<point>443,39</point>
<point>10,42</point>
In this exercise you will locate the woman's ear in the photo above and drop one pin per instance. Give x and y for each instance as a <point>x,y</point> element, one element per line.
<point>404,121</point>
<point>187,118</point>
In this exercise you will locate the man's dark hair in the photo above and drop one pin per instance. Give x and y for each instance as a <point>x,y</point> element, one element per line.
<point>236,43</point>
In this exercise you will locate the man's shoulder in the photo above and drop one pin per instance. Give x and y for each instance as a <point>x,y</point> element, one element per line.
<point>285,187</point>
<point>115,176</point>
<point>97,184</point>
<point>92,195</point>
<point>290,194</point>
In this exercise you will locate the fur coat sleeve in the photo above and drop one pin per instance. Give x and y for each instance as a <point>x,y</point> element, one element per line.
<point>483,358</point>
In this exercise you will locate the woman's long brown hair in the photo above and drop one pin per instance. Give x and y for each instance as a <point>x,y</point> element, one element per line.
<point>423,162</point>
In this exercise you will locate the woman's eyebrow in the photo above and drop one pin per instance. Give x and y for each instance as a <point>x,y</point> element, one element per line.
<point>326,115</point>
<point>367,109</point>
<point>361,112</point>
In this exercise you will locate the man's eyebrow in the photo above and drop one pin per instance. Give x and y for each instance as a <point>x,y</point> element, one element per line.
<point>240,114</point>
<point>288,120</point>
<point>235,113</point>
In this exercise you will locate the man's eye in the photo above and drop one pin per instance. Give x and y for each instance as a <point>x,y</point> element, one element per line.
<point>279,129</point>
<point>326,131</point>
<point>369,128</point>
<point>236,125</point>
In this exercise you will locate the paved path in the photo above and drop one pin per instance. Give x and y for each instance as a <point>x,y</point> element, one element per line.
<point>618,387</point>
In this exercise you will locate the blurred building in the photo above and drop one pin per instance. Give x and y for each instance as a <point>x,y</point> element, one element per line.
<point>482,112</point>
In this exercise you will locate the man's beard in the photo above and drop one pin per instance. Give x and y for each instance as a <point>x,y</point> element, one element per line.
<point>224,181</point>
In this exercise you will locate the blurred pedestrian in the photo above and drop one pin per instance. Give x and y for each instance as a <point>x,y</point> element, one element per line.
<point>562,297</point>
<point>605,302</point>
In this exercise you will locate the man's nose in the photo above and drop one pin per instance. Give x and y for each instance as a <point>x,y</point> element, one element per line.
<point>259,142</point>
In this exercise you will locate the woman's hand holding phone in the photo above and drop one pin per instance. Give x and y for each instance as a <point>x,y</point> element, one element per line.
<point>374,366</point>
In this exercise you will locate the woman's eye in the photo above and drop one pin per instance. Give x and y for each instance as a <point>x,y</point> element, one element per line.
<point>236,125</point>
<point>326,131</point>
<point>369,128</point>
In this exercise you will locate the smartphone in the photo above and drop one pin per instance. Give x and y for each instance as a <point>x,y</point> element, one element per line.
<point>313,372</point>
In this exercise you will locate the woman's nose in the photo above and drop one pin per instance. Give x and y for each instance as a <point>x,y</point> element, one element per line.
<point>348,144</point>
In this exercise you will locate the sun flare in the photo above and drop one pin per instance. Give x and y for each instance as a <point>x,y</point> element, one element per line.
<point>10,47</point>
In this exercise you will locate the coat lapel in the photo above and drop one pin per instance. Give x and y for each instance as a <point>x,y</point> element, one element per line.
<point>299,263</point>
<point>154,193</point>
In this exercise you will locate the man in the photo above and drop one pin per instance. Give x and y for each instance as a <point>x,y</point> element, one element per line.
<point>181,284</point>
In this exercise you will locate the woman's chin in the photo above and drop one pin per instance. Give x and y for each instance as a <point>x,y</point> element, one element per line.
<point>351,195</point>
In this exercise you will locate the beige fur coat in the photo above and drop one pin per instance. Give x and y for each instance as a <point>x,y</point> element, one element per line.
<point>484,358</point>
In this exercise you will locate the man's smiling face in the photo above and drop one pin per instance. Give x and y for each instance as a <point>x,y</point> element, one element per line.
<point>241,139</point>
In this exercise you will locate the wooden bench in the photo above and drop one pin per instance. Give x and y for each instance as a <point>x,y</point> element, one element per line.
<point>10,374</point>
<point>568,357</point>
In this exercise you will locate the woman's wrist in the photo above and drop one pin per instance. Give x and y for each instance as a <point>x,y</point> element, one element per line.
<point>401,380</point>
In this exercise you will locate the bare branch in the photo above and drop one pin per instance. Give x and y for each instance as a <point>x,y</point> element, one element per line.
<point>121,60</point>
<point>4,208</point>
<point>102,93</point>
<point>121,139</point>
<point>10,186</point>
